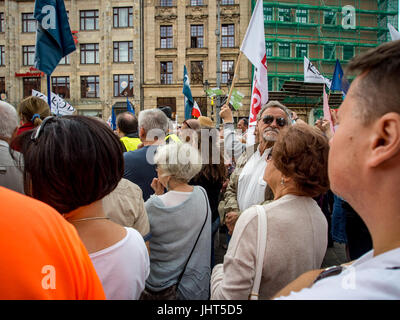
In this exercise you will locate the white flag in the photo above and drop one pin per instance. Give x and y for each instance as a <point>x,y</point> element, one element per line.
<point>58,105</point>
<point>253,46</point>
<point>393,32</point>
<point>311,74</point>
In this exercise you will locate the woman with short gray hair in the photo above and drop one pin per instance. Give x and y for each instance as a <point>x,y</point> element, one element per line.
<point>180,226</point>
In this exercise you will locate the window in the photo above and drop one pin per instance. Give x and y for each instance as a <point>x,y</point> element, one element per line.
<point>348,52</point>
<point>123,17</point>
<point>329,17</point>
<point>28,53</point>
<point>166,72</point>
<point>228,36</point>
<point>123,51</point>
<point>227,2</point>
<point>89,20</point>
<point>269,49</point>
<point>90,53</point>
<point>196,36</point>
<point>166,3</point>
<point>166,37</point>
<point>118,90</point>
<point>60,86</point>
<point>30,84</point>
<point>196,72</point>
<point>169,102</point>
<point>268,14</point>
<point>301,16</point>
<point>64,60</point>
<point>90,113</point>
<point>227,69</point>
<point>28,23</point>
<point>329,51</point>
<point>2,84</point>
<point>284,50</point>
<point>1,55</point>
<point>2,22</point>
<point>196,2</point>
<point>284,15</point>
<point>301,50</point>
<point>90,87</point>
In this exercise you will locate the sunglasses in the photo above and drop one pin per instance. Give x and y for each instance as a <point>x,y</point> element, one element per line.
<point>279,121</point>
<point>36,134</point>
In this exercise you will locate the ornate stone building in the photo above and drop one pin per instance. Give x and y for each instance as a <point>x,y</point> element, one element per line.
<point>183,32</point>
<point>107,35</point>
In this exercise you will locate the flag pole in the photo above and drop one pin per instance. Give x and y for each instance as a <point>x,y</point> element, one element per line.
<point>234,77</point>
<point>49,90</point>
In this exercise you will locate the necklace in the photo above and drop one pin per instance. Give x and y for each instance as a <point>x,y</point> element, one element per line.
<point>91,218</point>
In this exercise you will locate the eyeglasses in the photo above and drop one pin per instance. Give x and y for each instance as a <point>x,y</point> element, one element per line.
<point>279,121</point>
<point>35,134</point>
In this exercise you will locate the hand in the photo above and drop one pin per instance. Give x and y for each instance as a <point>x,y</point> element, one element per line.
<point>333,116</point>
<point>157,186</point>
<point>226,114</point>
<point>230,221</point>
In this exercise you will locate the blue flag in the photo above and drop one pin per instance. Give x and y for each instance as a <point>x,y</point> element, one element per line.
<point>53,37</point>
<point>339,81</point>
<point>129,106</point>
<point>188,95</point>
<point>113,119</point>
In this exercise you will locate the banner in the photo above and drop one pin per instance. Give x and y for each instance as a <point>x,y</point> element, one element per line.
<point>312,74</point>
<point>58,105</point>
<point>253,46</point>
<point>236,99</point>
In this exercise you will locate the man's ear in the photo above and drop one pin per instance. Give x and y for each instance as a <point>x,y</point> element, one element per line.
<point>142,134</point>
<point>385,140</point>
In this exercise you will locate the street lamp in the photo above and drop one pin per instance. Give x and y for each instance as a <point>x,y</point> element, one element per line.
<point>206,85</point>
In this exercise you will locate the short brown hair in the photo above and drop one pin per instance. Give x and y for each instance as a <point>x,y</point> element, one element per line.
<point>301,153</point>
<point>127,122</point>
<point>378,85</point>
<point>31,106</point>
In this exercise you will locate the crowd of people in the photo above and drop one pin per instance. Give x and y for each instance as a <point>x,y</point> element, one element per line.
<point>133,214</point>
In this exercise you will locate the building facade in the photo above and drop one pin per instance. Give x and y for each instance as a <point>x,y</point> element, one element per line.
<point>323,31</point>
<point>107,37</point>
<point>180,33</point>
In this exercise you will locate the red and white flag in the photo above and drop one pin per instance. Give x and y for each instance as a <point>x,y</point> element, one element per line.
<point>253,46</point>
<point>196,112</point>
<point>327,110</point>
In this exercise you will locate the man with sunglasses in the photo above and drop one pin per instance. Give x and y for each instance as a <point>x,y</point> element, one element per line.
<point>246,186</point>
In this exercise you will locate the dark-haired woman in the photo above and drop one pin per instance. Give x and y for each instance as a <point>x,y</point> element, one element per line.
<point>71,163</point>
<point>212,176</point>
<point>296,228</point>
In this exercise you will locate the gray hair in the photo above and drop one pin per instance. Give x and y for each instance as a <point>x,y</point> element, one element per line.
<point>8,120</point>
<point>152,119</point>
<point>275,104</point>
<point>178,160</point>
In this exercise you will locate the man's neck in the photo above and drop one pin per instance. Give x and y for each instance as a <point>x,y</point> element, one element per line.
<point>152,143</point>
<point>264,145</point>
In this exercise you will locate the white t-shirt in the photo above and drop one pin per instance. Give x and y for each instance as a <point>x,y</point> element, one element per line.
<point>174,198</point>
<point>368,278</point>
<point>251,185</point>
<point>124,267</point>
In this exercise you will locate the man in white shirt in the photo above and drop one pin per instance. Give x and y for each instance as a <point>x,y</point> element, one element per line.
<point>246,186</point>
<point>364,169</point>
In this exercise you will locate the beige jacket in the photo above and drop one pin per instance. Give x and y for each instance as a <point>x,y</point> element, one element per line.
<point>230,198</point>
<point>297,236</point>
<point>125,206</point>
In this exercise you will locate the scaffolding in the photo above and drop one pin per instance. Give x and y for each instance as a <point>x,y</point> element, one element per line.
<point>319,30</point>
<point>316,27</point>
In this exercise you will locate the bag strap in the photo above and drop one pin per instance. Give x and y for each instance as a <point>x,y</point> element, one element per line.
<point>187,261</point>
<point>261,245</point>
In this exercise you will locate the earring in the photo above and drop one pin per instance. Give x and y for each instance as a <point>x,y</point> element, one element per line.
<point>282,182</point>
